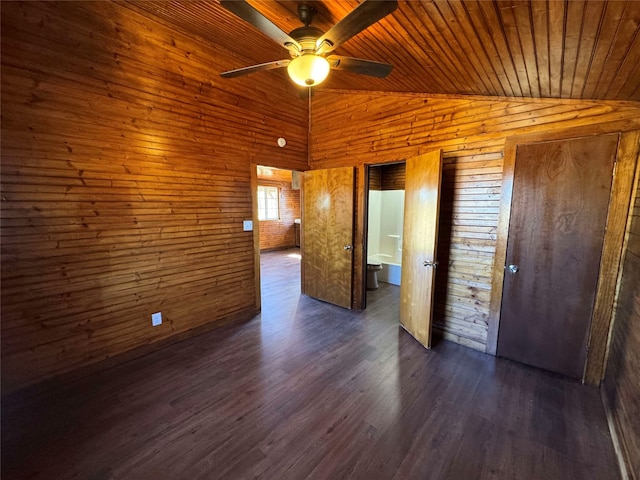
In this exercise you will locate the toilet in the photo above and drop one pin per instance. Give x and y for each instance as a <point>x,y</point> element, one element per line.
<point>372,274</point>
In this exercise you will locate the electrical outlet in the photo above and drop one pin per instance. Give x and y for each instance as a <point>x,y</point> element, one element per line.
<point>156,319</point>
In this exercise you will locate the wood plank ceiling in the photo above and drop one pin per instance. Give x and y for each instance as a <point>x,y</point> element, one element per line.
<point>558,49</point>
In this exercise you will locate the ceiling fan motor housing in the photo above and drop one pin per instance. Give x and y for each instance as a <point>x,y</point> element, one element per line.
<point>306,37</point>
<point>309,47</point>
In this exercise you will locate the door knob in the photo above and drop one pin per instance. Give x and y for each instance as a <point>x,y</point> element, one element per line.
<point>347,247</point>
<point>430,264</point>
<point>513,268</point>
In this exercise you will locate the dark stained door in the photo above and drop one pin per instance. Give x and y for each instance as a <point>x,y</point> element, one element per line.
<point>327,234</point>
<point>558,213</point>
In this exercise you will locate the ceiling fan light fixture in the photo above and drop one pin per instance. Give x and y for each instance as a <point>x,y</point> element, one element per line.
<point>308,70</point>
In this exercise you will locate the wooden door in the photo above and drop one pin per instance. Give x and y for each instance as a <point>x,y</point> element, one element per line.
<point>558,213</point>
<point>420,235</point>
<point>327,234</point>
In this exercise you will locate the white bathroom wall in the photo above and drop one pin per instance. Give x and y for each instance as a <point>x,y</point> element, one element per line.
<point>391,223</point>
<point>386,218</point>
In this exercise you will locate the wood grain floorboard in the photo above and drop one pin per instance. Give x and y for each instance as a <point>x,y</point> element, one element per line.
<point>309,390</point>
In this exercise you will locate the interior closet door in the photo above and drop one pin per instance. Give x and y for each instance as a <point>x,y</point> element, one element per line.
<point>420,235</point>
<point>559,209</point>
<point>327,234</point>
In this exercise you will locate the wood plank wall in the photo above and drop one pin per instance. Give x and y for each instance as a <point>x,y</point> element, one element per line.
<point>469,206</point>
<point>276,234</point>
<point>387,177</point>
<point>392,176</point>
<point>125,180</point>
<point>472,132</point>
<point>384,127</point>
<point>621,386</point>
<point>375,178</point>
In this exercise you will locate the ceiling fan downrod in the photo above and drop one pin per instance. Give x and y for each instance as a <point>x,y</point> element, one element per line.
<point>306,13</point>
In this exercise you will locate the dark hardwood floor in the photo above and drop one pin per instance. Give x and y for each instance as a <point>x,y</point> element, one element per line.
<point>309,390</point>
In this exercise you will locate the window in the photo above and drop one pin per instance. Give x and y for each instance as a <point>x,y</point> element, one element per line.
<point>268,204</point>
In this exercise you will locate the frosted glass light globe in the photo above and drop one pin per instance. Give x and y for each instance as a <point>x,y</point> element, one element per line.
<point>308,70</point>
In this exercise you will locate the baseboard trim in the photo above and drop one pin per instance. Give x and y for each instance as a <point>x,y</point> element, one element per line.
<point>618,443</point>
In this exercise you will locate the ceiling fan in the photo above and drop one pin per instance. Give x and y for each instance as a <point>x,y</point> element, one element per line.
<point>310,48</point>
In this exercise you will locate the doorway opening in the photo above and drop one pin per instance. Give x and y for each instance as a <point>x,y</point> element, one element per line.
<point>277,194</point>
<point>385,190</point>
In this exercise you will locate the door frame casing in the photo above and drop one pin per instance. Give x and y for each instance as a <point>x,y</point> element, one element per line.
<point>360,296</point>
<point>256,235</point>
<point>619,204</point>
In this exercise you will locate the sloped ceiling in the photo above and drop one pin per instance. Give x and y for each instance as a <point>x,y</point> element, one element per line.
<point>558,49</point>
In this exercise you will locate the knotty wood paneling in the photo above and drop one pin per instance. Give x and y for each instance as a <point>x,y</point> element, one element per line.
<point>472,132</point>
<point>621,386</point>
<point>281,233</point>
<point>392,176</point>
<point>375,178</point>
<point>125,180</point>
<point>387,177</point>
<point>387,127</point>
<point>469,205</point>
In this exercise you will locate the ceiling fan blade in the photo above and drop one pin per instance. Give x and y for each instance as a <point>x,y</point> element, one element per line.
<point>255,68</point>
<point>359,65</point>
<point>249,14</point>
<point>360,18</point>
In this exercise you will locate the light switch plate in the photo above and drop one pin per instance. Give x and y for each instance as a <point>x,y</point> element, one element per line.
<point>156,319</point>
<point>247,225</point>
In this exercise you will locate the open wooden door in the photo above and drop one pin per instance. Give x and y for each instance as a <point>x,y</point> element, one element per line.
<point>327,234</point>
<point>420,235</point>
